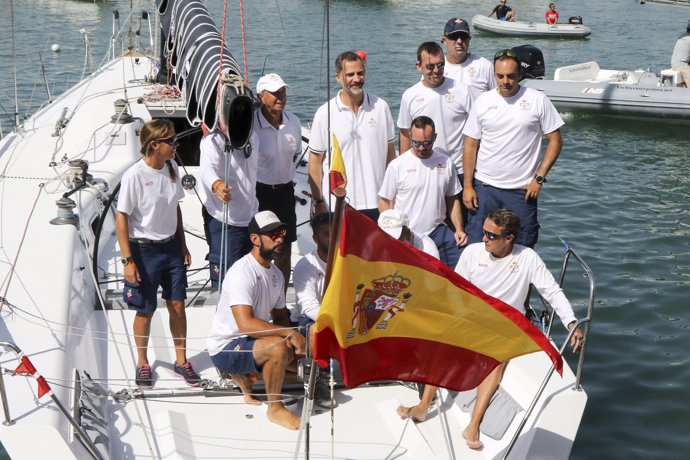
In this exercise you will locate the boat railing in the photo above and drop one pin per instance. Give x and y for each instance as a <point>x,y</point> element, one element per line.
<point>27,368</point>
<point>584,323</point>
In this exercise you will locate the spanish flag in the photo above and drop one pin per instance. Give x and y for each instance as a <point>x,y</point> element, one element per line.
<point>337,177</point>
<point>391,312</point>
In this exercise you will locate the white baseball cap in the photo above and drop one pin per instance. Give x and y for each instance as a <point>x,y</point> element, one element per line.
<point>392,222</point>
<point>270,82</point>
<point>265,221</point>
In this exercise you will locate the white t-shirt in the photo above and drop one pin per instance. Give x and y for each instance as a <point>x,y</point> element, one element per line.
<point>681,51</point>
<point>511,130</point>
<point>448,105</point>
<point>363,139</point>
<point>419,188</point>
<point>241,177</point>
<point>246,283</point>
<point>277,148</point>
<point>149,197</point>
<point>425,244</point>
<point>308,277</point>
<point>475,71</point>
<point>508,278</point>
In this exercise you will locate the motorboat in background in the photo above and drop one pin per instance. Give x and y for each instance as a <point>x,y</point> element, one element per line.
<point>573,29</point>
<point>587,88</point>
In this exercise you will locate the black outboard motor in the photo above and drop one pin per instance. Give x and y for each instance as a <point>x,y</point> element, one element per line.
<point>575,20</point>
<point>531,60</point>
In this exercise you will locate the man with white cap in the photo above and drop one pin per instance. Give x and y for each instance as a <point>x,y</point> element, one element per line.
<point>396,224</point>
<point>252,296</point>
<point>461,65</point>
<point>280,142</point>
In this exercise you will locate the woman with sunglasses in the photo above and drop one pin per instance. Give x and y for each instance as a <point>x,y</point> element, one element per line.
<point>154,252</point>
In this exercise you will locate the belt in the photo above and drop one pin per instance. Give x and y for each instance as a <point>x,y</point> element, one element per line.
<point>147,241</point>
<point>276,186</point>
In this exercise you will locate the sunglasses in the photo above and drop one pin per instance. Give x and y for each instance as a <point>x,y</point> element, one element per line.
<point>425,144</point>
<point>506,52</point>
<point>457,36</point>
<point>275,234</point>
<point>172,140</point>
<point>492,236</point>
<point>438,65</point>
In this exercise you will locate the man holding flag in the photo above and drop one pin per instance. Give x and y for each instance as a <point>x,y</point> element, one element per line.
<point>504,270</point>
<point>361,144</point>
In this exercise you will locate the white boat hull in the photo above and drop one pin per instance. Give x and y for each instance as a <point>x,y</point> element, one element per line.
<point>529,29</point>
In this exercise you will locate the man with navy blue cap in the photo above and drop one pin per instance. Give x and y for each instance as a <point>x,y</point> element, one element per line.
<point>462,65</point>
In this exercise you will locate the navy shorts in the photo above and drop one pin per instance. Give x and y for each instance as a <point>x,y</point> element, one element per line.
<point>491,198</point>
<point>281,200</point>
<point>448,250</point>
<point>158,265</point>
<point>304,321</point>
<point>237,244</point>
<point>237,357</point>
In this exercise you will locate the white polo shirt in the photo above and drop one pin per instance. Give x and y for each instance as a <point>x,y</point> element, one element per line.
<point>246,283</point>
<point>308,278</point>
<point>150,197</point>
<point>476,72</point>
<point>510,130</point>
<point>278,148</point>
<point>363,139</point>
<point>419,188</point>
<point>448,105</point>
<point>241,177</point>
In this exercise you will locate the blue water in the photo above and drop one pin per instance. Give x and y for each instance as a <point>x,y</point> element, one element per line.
<point>619,193</point>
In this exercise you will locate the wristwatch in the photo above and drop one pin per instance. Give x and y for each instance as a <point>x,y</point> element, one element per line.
<point>126,260</point>
<point>540,179</point>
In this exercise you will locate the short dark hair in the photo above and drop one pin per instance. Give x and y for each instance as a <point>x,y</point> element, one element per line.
<point>421,122</point>
<point>349,56</point>
<point>321,219</point>
<point>432,49</point>
<point>507,220</point>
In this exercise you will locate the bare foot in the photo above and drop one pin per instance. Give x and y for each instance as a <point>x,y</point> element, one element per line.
<point>416,413</point>
<point>277,413</point>
<point>249,399</point>
<point>475,444</point>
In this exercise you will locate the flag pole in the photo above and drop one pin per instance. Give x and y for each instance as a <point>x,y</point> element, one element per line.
<point>333,244</point>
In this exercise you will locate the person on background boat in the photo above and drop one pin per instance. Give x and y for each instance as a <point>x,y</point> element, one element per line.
<point>152,241</point>
<point>443,99</point>
<point>552,14</point>
<point>504,270</point>
<point>252,305</point>
<point>397,224</point>
<point>461,65</point>
<point>680,59</point>
<point>423,183</point>
<point>230,199</point>
<point>280,141</point>
<point>363,126</point>
<point>503,164</point>
<point>503,12</point>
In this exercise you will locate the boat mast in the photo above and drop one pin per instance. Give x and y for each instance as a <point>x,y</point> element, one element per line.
<point>14,68</point>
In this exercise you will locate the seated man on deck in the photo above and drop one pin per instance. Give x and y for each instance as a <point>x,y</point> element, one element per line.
<point>503,12</point>
<point>504,270</point>
<point>243,340</point>
<point>551,14</point>
<point>680,59</point>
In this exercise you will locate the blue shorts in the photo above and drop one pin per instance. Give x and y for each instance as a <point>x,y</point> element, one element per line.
<point>237,245</point>
<point>281,200</point>
<point>237,357</point>
<point>491,198</point>
<point>448,249</point>
<point>158,265</point>
<point>304,321</point>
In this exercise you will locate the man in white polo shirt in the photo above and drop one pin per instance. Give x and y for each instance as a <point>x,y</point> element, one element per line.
<point>461,65</point>
<point>503,164</point>
<point>442,99</point>
<point>363,126</point>
<point>423,183</point>
<point>280,141</point>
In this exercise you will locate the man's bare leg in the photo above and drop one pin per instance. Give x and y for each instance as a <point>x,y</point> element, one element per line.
<point>245,383</point>
<point>485,391</point>
<point>419,412</point>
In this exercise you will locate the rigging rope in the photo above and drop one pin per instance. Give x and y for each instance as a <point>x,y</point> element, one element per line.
<point>244,43</point>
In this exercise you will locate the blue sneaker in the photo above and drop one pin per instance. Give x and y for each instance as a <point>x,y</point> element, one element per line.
<point>144,376</point>
<point>186,371</point>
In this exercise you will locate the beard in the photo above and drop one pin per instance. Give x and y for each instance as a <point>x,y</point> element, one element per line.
<point>271,254</point>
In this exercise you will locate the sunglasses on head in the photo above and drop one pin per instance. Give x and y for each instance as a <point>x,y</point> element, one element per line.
<point>425,144</point>
<point>438,65</point>
<point>506,52</point>
<point>172,140</point>
<point>275,234</point>
<point>492,236</point>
